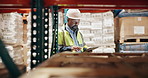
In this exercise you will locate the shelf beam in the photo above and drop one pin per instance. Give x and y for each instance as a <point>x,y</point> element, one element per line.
<point>15,10</point>
<point>15,4</point>
<point>99,4</point>
<point>94,4</point>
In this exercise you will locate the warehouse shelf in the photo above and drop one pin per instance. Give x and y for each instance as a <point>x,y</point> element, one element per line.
<point>7,6</point>
<point>15,5</point>
<point>101,65</point>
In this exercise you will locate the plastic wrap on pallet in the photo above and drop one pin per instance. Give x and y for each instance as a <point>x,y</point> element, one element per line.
<point>97,40</point>
<point>144,14</point>
<point>11,24</point>
<point>104,50</point>
<point>96,25</point>
<point>134,47</point>
<point>88,35</point>
<point>84,15</point>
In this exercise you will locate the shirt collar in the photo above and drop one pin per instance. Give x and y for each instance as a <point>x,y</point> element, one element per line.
<point>68,29</point>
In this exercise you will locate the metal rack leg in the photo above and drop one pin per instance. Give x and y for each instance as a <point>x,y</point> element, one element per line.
<point>54,48</point>
<point>46,34</point>
<point>39,33</point>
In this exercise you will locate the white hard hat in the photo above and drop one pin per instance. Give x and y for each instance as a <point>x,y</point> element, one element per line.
<point>73,14</point>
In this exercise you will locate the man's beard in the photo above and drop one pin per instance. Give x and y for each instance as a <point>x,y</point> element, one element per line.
<point>74,28</point>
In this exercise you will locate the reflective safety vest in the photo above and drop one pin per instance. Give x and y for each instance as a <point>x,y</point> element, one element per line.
<point>64,39</point>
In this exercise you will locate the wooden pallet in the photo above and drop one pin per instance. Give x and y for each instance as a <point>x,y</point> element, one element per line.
<point>74,72</point>
<point>136,40</point>
<point>114,65</point>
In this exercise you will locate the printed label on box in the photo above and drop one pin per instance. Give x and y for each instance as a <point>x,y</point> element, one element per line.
<point>139,18</point>
<point>138,29</point>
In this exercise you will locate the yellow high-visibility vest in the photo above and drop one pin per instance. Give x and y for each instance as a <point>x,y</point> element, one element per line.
<point>64,39</point>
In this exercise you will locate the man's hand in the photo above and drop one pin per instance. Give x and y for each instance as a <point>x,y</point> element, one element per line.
<point>75,48</point>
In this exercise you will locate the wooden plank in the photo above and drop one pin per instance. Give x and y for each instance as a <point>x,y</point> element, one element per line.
<point>117,65</point>
<point>93,58</point>
<point>5,74</point>
<point>75,72</point>
<point>99,54</point>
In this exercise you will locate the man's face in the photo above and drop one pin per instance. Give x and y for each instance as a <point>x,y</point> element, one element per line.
<point>73,23</point>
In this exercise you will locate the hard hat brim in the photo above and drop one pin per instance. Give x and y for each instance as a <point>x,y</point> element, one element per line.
<point>74,17</point>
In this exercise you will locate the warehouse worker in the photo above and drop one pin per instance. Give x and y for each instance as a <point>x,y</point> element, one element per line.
<point>69,38</point>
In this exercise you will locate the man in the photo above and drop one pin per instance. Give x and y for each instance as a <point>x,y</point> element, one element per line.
<point>69,38</point>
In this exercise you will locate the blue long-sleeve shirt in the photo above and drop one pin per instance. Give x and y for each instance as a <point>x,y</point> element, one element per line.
<point>73,35</point>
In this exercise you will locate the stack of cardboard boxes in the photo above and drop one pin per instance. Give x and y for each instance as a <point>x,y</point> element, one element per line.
<point>12,35</point>
<point>133,34</point>
<point>98,30</point>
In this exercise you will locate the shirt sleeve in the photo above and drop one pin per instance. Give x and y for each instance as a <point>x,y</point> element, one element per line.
<point>64,48</point>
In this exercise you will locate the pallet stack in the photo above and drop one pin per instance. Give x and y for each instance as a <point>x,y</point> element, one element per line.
<point>98,30</point>
<point>133,34</point>
<point>12,35</point>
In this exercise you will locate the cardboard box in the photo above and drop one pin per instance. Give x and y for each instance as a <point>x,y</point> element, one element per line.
<point>134,27</point>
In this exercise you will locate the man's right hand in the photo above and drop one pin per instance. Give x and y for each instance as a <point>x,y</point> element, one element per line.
<point>75,48</point>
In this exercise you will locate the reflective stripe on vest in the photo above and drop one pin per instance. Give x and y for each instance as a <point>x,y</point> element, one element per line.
<point>65,39</point>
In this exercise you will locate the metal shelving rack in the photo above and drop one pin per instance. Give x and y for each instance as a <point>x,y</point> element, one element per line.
<point>39,33</point>
<point>39,45</point>
<point>92,5</point>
